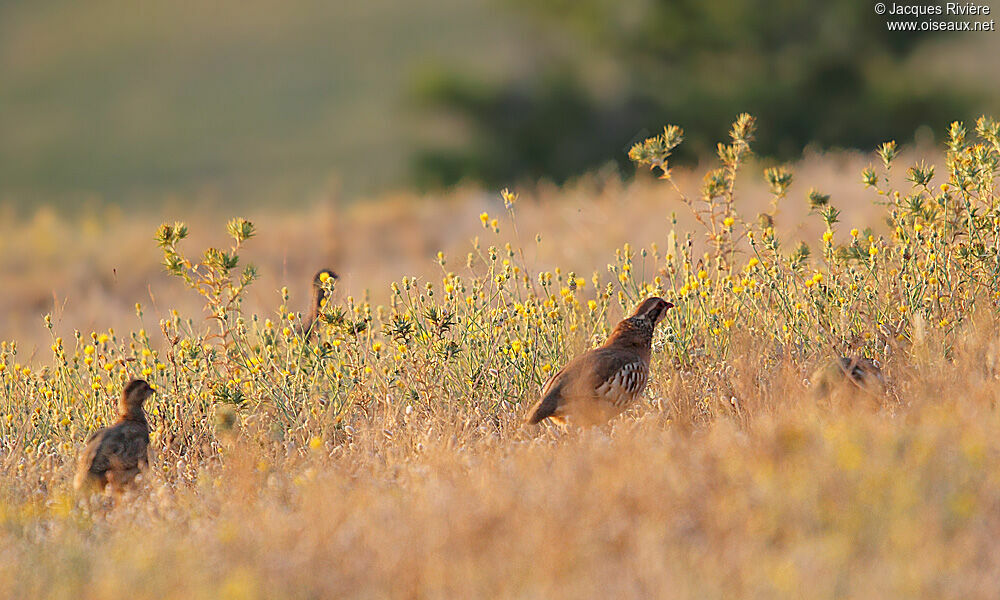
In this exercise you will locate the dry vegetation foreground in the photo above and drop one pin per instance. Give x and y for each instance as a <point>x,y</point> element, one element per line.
<point>783,497</point>
<point>384,456</point>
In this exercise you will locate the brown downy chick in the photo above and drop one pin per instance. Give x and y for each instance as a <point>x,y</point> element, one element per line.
<point>601,383</point>
<point>320,297</point>
<point>115,455</point>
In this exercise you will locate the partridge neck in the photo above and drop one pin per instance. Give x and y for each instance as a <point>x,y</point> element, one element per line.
<point>632,336</point>
<point>134,414</point>
<point>310,321</point>
<point>317,300</point>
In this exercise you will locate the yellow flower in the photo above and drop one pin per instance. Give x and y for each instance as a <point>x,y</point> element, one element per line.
<point>728,221</point>
<point>703,274</point>
<point>918,228</point>
<point>516,346</point>
<point>103,338</point>
<point>591,305</point>
<point>485,218</point>
<point>377,347</point>
<point>737,289</point>
<point>323,277</point>
<point>872,250</point>
<point>316,442</point>
<point>88,350</point>
<point>827,236</point>
<point>854,232</point>
<point>727,323</point>
<point>753,263</point>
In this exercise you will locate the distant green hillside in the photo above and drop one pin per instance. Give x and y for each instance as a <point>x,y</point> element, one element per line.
<point>125,100</point>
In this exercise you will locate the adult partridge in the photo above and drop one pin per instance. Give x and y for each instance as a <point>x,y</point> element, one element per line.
<point>601,383</point>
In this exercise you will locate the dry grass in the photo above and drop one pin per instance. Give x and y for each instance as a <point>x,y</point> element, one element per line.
<point>865,498</point>
<point>733,478</point>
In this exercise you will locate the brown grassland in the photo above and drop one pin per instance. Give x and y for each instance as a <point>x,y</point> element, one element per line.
<point>388,457</point>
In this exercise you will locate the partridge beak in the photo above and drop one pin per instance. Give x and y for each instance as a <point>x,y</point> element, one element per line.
<point>663,313</point>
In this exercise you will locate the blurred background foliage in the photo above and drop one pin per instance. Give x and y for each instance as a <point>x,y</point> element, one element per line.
<point>265,102</point>
<point>824,72</point>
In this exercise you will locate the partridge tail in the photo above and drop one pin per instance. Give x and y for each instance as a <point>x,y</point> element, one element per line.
<point>543,409</point>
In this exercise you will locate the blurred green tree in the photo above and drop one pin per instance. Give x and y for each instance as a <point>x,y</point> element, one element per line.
<point>823,71</point>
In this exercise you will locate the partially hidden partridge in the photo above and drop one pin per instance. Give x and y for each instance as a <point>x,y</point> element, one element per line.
<point>115,455</point>
<point>320,296</point>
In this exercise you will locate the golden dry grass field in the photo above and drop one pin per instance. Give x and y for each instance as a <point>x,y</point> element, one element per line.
<point>386,457</point>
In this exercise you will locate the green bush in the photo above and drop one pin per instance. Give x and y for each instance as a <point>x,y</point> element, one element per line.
<point>824,72</point>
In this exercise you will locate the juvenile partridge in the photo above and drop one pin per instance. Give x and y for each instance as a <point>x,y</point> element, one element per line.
<point>116,454</point>
<point>310,325</point>
<point>599,384</point>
